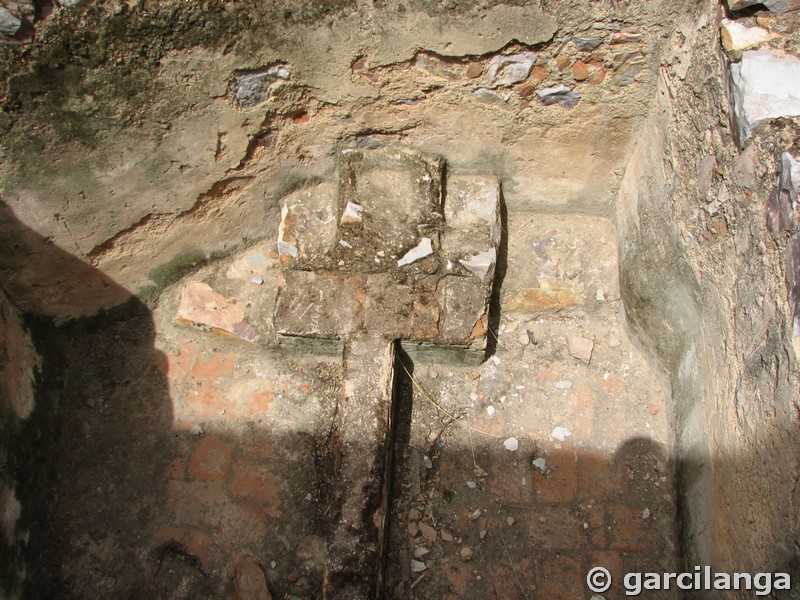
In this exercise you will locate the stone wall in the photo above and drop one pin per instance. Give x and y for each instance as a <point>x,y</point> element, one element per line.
<point>19,366</point>
<point>704,285</point>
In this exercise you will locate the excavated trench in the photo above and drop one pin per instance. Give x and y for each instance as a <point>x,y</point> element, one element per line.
<point>464,309</point>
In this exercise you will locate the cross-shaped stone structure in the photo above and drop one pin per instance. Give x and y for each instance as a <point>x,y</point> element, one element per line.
<point>393,255</point>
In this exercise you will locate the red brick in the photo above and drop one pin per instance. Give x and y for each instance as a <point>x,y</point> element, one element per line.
<point>562,579</point>
<point>474,70</point>
<point>505,583</point>
<point>607,559</point>
<point>176,469</point>
<point>563,62</point>
<point>255,481</point>
<point>580,71</point>
<point>595,518</point>
<point>555,527</point>
<point>179,364</point>
<point>258,404</point>
<point>559,482</point>
<point>613,385</point>
<point>211,460</point>
<point>526,90</point>
<point>196,543</point>
<point>628,529</point>
<point>216,367</point>
<point>459,576</point>
<point>540,73</point>
<point>598,477</point>
<point>205,402</point>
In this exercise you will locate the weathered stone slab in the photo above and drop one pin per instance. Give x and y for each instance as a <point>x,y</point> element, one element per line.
<point>472,215</point>
<point>357,545</point>
<point>508,69</point>
<point>781,206</point>
<point>251,88</point>
<point>736,36</point>
<point>201,305</point>
<point>400,195</point>
<point>766,85</point>
<point>319,305</point>
<point>307,232</point>
<point>793,281</point>
<point>541,299</point>
<point>395,310</point>
<point>464,302</point>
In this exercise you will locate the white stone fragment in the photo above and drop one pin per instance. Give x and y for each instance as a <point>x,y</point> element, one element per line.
<point>427,462</point>
<point>351,213</point>
<point>736,36</point>
<point>481,264</point>
<point>563,384</point>
<point>490,410</point>
<point>346,244</point>
<point>9,22</point>
<point>581,348</point>
<point>766,85</point>
<point>418,252</point>
<point>257,279</point>
<point>540,463</point>
<point>511,444</point>
<point>509,69</point>
<point>646,513</point>
<point>560,434</point>
<point>472,485</point>
<point>286,244</point>
<point>421,552</point>
<point>417,566</point>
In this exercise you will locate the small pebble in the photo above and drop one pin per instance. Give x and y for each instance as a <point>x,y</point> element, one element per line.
<point>560,433</point>
<point>472,485</point>
<point>417,566</point>
<point>540,463</point>
<point>524,339</point>
<point>447,536</point>
<point>474,515</point>
<point>646,513</point>
<point>510,521</point>
<point>511,444</point>
<point>490,410</point>
<point>466,553</point>
<point>563,385</point>
<point>257,280</point>
<point>421,552</point>
<point>427,462</point>
<point>483,534</point>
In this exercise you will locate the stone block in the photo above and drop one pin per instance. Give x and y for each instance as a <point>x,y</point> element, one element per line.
<point>308,228</point>
<point>472,215</point>
<point>319,305</point>
<point>766,85</point>
<point>396,310</point>
<point>736,36</point>
<point>399,195</point>
<point>254,87</point>
<point>464,302</point>
<point>201,305</point>
<point>508,69</point>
